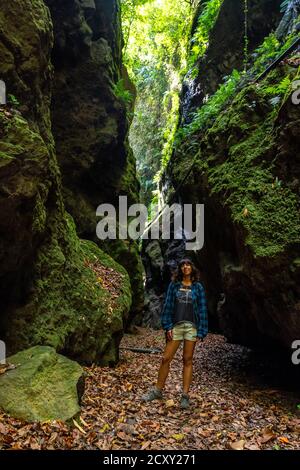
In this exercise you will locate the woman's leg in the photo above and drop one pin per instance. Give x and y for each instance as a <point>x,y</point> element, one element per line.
<point>169,353</point>
<point>188,351</point>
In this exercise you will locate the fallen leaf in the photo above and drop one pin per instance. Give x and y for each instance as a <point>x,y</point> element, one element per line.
<point>79,427</point>
<point>284,440</point>
<point>145,445</point>
<point>83,422</point>
<point>123,436</point>
<point>204,433</point>
<point>53,437</point>
<point>105,427</point>
<point>34,445</point>
<point>3,429</point>
<point>252,446</point>
<point>238,445</point>
<point>170,403</point>
<point>16,446</point>
<point>178,437</point>
<point>267,436</point>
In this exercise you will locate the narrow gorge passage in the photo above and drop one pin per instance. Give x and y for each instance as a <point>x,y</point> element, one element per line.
<point>112,112</point>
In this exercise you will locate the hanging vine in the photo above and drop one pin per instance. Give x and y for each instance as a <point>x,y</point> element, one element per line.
<point>246,38</point>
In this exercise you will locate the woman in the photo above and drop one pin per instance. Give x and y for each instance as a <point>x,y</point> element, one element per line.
<point>184,318</point>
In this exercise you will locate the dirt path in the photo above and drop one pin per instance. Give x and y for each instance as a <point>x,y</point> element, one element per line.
<point>233,407</point>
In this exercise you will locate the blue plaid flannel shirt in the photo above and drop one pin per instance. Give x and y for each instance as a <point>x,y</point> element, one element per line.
<point>199,303</point>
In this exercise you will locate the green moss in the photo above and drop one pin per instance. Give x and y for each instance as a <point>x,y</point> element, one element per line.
<point>67,308</point>
<point>70,310</point>
<point>42,387</point>
<point>205,23</point>
<point>268,211</point>
<point>238,154</point>
<point>39,215</point>
<point>5,159</point>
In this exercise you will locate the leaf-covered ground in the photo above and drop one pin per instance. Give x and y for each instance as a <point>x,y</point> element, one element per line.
<point>234,404</point>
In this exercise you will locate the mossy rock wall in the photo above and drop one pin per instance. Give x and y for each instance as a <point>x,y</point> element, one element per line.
<point>248,177</point>
<point>49,287</point>
<point>246,174</point>
<point>226,48</point>
<point>91,121</point>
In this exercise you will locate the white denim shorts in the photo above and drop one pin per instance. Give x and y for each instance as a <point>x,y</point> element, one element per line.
<point>184,330</point>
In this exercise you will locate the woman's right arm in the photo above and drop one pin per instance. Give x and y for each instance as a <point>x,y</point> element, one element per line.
<point>166,314</point>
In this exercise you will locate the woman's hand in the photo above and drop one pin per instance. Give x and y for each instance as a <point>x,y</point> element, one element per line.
<point>169,335</point>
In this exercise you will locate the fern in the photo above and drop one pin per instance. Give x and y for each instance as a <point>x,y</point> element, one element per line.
<point>122,93</point>
<point>280,89</point>
<point>209,111</point>
<point>207,19</point>
<point>13,100</point>
<point>284,6</point>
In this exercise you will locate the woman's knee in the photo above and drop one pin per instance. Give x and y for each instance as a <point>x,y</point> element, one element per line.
<point>166,360</point>
<point>187,360</point>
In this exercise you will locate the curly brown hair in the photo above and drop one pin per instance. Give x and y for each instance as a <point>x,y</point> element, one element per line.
<point>178,276</point>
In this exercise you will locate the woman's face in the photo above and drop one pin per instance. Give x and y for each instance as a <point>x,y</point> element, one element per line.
<point>186,269</point>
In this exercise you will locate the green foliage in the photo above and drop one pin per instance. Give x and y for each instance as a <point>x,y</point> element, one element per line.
<point>280,88</point>
<point>129,14</point>
<point>13,100</point>
<point>200,39</point>
<point>269,50</point>
<point>258,200</point>
<point>236,135</point>
<point>122,93</point>
<point>246,38</point>
<point>155,55</point>
<point>284,6</point>
<point>262,57</point>
<point>209,111</point>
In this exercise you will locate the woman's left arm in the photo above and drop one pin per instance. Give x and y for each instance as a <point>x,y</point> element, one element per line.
<point>203,326</point>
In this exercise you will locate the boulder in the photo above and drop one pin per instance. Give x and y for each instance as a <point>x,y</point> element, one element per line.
<point>43,386</point>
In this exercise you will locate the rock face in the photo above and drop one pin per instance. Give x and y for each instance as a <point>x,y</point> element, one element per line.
<point>43,386</point>
<point>49,288</point>
<point>90,121</point>
<point>226,46</point>
<point>252,234</point>
<point>247,175</point>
